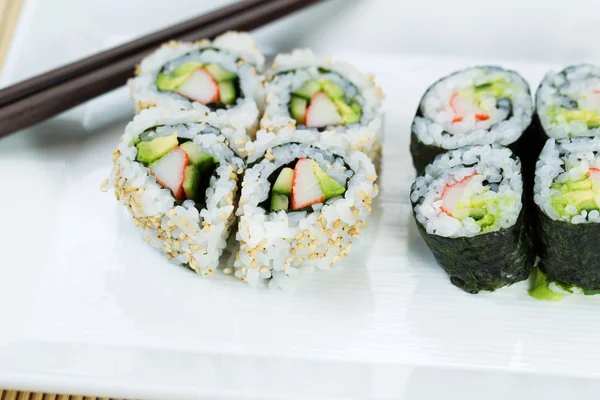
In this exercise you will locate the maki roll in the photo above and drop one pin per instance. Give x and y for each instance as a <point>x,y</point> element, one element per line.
<point>568,103</point>
<point>178,180</point>
<point>223,76</point>
<point>319,95</point>
<point>567,196</point>
<point>301,206</point>
<point>475,106</point>
<point>469,210</point>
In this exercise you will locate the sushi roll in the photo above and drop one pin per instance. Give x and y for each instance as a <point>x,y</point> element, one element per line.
<point>325,96</point>
<point>178,179</point>
<point>568,103</point>
<point>223,76</point>
<point>475,106</point>
<point>468,207</point>
<point>567,196</point>
<point>301,206</point>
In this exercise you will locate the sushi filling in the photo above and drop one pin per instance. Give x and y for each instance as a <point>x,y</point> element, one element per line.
<point>569,102</point>
<point>301,178</point>
<point>476,106</point>
<point>469,192</point>
<point>567,183</point>
<point>177,163</point>
<point>201,80</point>
<point>322,98</point>
<point>329,100</point>
<point>300,184</point>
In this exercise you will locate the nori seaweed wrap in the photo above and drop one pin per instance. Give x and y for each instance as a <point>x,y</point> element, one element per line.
<point>567,198</point>
<point>475,106</point>
<point>469,209</point>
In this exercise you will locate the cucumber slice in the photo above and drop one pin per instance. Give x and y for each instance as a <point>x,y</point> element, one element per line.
<point>191,181</point>
<point>284,182</point>
<point>197,156</point>
<point>279,202</point>
<point>227,92</point>
<point>219,73</point>
<point>308,90</point>
<point>333,90</point>
<point>298,107</point>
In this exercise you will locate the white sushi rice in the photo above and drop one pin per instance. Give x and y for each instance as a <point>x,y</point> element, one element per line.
<point>365,136</point>
<point>570,89</point>
<point>435,126</point>
<point>493,162</point>
<point>277,246</point>
<point>561,161</point>
<point>237,53</point>
<point>183,233</point>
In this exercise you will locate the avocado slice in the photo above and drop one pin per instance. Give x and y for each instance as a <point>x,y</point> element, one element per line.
<point>591,118</point>
<point>227,92</point>
<point>308,90</point>
<point>329,186</point>
<point>487,220</point>
<point>284,182</point>
<point>496,88</point>
<point>298,109</point>
<point>477,213</point>
<point>191,181</point>
<point>333,90</point>
<point>579,185</point>
<point>588,205</point>
<point>197,156</point>
<point>219,73</point>
<point>151,151</point>
<point>346,112</point>
<point>172,82</point>
<point>279,202</point>
<point>577,198</point>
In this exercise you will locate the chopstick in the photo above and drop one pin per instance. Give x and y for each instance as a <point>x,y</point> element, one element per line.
<point>60,96</point>
<point>81,67</point>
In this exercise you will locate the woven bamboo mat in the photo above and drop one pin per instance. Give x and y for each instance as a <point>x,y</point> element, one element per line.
<point>13,395</point>
<point>9,15</point>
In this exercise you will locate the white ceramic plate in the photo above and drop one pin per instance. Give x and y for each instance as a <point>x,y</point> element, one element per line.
<point>88,307</point>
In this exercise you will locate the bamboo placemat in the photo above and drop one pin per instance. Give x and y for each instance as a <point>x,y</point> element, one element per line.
<point>9,15</point>
<point>14,395</point>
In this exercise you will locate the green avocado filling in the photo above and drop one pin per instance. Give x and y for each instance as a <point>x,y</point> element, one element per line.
<point>349,110</point>
<point>289,183</point>
<point>576,196</point>
<point>224,79</point>
<point>499,88</point>
<point>485,208</point>
<point>590,118</point>
<point>190,161</point>
<point>559,114</point>
<point>545,289</point>
<point>148,152</point>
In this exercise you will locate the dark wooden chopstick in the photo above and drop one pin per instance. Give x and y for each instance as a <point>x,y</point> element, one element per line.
<point>56,76</point>
<point>60,97</point>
